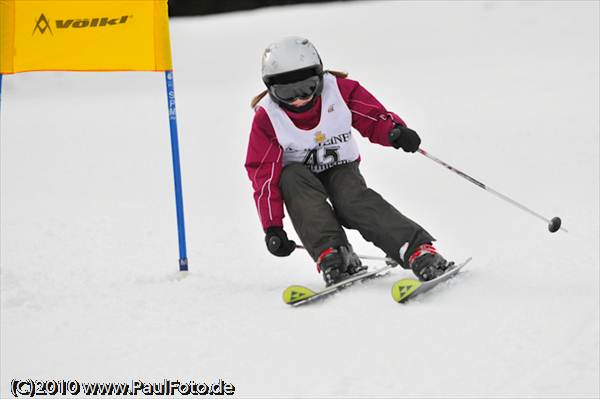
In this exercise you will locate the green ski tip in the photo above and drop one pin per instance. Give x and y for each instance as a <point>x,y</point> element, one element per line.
<point>402,289</point>
<point>296,293</point>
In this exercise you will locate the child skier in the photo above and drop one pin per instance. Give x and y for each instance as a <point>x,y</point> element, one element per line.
<point>302,153</point>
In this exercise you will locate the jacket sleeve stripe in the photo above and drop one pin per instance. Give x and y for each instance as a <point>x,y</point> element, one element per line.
<point>363,103</point>
<point>366,116</point>
<point>262,161</point>
<point>269,181</point>
<point>267,184</point>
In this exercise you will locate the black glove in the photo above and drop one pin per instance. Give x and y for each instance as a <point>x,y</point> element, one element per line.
<point>278,243</point>
<point>405,138</point>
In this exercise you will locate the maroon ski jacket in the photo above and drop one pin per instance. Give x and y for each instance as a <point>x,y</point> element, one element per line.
<point>264,156</point>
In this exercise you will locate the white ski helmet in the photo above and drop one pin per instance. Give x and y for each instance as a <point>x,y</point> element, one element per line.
<point>292,67</point>
<point>289,54</point>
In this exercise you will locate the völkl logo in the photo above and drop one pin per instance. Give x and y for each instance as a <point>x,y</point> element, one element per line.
<point>42,24</point>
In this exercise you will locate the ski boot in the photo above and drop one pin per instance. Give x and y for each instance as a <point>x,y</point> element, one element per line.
<point>427,264</point>
<point>338,264</point>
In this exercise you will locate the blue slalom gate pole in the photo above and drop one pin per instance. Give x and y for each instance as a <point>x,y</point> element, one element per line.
<point>183,261</point>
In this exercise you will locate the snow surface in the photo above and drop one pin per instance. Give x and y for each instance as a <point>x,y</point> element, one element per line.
<point>505,91</point>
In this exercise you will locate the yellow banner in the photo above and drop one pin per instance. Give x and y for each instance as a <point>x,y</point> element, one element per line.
<point>84,35</point>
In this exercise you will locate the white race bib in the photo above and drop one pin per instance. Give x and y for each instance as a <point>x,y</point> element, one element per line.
<point>328,144</point>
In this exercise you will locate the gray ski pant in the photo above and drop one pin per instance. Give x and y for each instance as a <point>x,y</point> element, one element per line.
<point>355,206</point>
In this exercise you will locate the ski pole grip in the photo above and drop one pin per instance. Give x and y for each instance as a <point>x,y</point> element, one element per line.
<point>274,243</point>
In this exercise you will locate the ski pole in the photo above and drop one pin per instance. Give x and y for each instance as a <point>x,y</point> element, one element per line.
<point>365,257</point>
<point>553,224</point>
<point>275,242</point>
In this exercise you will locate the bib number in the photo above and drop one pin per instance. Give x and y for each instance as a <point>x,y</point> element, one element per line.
<point>322,157</point>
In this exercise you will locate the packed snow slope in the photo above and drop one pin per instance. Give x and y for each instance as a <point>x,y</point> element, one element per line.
<point>505,91</point>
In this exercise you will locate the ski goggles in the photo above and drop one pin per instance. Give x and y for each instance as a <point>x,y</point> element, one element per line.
<point>303,89</point>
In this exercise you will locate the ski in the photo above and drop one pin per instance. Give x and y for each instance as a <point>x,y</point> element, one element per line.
<point>408,288</point>
<point>296,295</point>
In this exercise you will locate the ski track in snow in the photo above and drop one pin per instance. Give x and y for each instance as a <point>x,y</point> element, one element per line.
<point>506,92</point>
